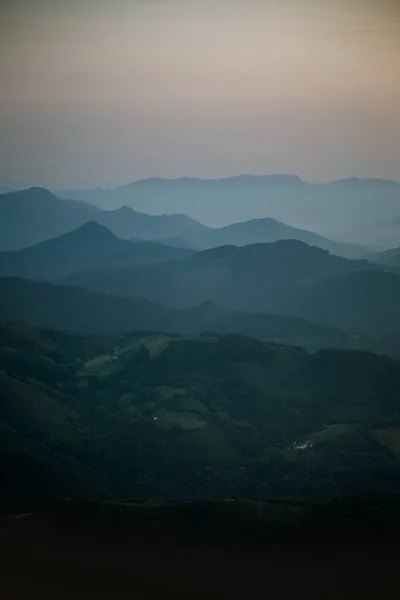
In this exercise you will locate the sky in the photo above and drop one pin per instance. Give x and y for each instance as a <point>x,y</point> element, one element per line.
<point>96,93</point>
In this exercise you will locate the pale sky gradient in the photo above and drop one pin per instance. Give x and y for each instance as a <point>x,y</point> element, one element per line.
<point>103,92</point>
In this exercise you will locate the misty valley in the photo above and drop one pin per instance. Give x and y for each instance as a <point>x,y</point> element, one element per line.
<point>164,378</point>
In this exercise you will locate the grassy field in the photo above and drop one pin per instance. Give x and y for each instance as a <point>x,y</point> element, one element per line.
<point>186,420</point>
<point>332,433</point>
<point>212,444</point>
<point>156,345</point>
<point>166,392</point>
<point>187,403</point>
<point>98,361</point>
<point>389,437</point>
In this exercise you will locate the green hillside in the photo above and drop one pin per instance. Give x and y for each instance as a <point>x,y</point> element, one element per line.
<point>197,417</point>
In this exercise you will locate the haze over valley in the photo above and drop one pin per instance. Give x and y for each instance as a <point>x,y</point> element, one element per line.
<point>357,210</point>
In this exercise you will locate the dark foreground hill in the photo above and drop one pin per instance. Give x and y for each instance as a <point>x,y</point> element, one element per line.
<point>201,417</point>
<point>87,247</point>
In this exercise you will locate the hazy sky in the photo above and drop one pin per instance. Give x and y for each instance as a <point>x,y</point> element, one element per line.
<point>107,91</point>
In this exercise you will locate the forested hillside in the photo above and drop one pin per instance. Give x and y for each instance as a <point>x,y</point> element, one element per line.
<point>204,417</point>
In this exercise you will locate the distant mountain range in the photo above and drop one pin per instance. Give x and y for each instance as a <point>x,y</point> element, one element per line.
<point>334,209</point>
<point>388,257</point>
<point>264,231</point>
<point>87,247</point>
<point>31,216</point>
<point>35,215</point>
<point>288,271</point>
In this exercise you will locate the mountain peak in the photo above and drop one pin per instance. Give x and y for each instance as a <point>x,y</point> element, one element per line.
<point>92,228</point>
<point>32,193</point>
<point>88,233</point>
<point>125,209</point>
